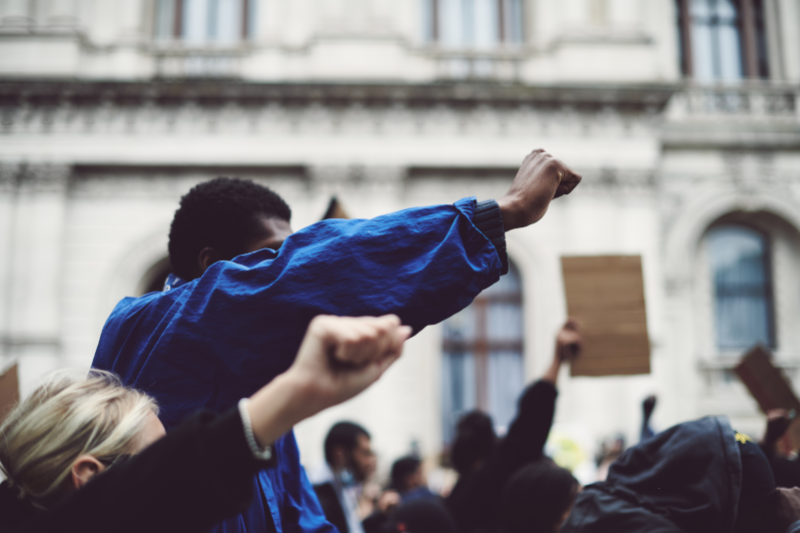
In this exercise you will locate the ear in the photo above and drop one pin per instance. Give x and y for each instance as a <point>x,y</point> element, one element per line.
<point>207,257</point>
<point>84,468</point>
<point>339,457</point>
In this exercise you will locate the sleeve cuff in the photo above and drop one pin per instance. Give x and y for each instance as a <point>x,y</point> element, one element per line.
<point>489,220</point>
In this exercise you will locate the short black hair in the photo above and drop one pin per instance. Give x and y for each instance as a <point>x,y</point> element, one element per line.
<point>401,469</point>
<point>475,441</point>
<point>343,435</point>
<point>536,497</point>
<point>221,213</point>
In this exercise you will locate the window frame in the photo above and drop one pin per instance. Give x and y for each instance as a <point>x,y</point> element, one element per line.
<point>178,10</point>
<point>769,286</point>
<point>752,28</point>
<point>434,34</point>
<point>481,345</point>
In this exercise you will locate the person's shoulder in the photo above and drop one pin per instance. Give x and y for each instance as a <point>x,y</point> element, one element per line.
<point>131,303</point>
<point>326,493</point>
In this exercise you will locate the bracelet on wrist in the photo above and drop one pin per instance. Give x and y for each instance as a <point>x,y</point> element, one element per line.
<point>263,454</point>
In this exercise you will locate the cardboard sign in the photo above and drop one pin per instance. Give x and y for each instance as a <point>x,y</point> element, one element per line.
<point>769,386</point>
<point>606,294</point>
<point>9,391</point>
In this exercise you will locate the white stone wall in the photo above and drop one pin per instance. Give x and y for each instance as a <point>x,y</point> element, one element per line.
<point>301,40</point>
<point>91,172</point>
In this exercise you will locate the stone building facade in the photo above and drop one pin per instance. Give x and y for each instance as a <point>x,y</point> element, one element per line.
<point>683,116</point>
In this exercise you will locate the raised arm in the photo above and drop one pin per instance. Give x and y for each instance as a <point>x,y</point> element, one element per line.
<point>528,433</point>
<point>202,472</point>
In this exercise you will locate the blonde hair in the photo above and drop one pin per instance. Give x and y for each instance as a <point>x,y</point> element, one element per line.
<point>68,416</point>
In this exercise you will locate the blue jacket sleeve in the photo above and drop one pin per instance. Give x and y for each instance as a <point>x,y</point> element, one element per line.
<point>424,264</point>
<point>216,339</point>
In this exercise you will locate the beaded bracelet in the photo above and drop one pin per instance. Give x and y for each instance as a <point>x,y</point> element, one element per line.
<point>265,453</point>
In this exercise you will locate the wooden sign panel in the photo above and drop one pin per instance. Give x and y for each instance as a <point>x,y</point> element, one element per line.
<point>9,391</point>
<point>769,386</point>
<point>606,294</point>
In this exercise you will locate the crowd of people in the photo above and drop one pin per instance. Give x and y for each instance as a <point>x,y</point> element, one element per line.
<point>185,421</point>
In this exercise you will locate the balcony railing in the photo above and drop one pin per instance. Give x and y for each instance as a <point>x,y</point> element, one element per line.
<point>500,65</point>
<point>749,100</point>
<point>176,62</point>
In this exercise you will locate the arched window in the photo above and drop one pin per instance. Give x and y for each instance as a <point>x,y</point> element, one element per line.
<point>742,281</point>
<point>483,356</point>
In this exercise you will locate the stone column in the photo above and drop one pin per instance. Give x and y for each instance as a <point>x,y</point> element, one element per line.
<point>34,198</point>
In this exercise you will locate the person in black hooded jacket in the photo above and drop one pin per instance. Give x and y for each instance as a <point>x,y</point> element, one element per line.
<point>696,477</point>
<point>475,500</point>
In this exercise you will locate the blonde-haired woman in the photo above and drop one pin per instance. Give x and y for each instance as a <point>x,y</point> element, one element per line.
<point>71,430</point>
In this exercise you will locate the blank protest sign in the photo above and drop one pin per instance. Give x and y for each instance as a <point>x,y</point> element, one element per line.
<point>9,391</point>
<point>606,294</point>
<point>769,386</point>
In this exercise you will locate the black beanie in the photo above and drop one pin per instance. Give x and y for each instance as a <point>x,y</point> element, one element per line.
<point>536,497</point>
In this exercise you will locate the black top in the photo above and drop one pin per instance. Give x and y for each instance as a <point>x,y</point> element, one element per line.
<point>785,470</point>
<point>686,479</point>
<point>199,474</point>
<point>331,506</point>
<point>475,499</point>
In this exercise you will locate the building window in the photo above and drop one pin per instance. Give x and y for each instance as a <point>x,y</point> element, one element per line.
<point>722,40</point>
<point>473,24</point>
<point>483,356</point>
<point>204,22</point>
<point>741,274</point>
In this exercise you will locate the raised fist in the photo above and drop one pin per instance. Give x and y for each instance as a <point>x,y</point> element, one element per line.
<point>541,178</point>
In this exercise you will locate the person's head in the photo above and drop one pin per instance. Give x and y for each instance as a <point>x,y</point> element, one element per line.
<point>474,443</point>
<point>71,429</point>
<point>348,447</point>
<point>222,218</point>
<point>406,474</point>
<point>421,516</point>
<point>538,498</point>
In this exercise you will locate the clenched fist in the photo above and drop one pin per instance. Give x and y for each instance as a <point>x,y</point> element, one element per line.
<point>541,178</point>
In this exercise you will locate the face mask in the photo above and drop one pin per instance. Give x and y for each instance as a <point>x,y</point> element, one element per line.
<point>346,478</point>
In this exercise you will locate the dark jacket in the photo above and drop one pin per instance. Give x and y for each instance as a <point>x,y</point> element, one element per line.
<point>197,475</point>
<point>329,501</point>
<point>686,479</point>
<point>475,499</point>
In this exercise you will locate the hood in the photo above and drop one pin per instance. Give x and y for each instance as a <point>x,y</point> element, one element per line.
<point>687,478</point>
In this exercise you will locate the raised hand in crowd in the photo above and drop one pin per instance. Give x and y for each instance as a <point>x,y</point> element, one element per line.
<point>778,422</point>
<point>541,178</point>
<point>569,344</point>
<point>165,483</point>
<point>339,358</point>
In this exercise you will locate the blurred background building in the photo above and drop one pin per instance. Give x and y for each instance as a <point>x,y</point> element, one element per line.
<point>683,116</point>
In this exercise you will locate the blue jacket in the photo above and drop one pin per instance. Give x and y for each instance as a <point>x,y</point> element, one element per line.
<point>209,342</point>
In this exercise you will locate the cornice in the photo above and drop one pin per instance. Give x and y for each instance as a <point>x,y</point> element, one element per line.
<point>635,97</point>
